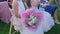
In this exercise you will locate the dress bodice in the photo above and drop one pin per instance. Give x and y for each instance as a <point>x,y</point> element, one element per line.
<point>21,7</point>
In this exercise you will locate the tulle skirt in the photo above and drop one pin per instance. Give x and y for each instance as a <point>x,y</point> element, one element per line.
<point>16,23</point>
<point>47,22</point>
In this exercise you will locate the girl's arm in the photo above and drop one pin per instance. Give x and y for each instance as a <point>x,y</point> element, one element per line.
<point>56,17</point>
<point>15,21</point>
<point>15,8</point>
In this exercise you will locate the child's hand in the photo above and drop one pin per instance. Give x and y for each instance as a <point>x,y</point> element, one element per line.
<point>16,23</point>
<point>17,16</point>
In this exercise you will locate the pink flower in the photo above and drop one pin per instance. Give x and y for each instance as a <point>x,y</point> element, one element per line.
<point>32,19</point>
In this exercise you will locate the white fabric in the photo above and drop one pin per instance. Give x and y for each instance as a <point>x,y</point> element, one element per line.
<point>21,7</point>
<point>48,22</point>
<point>24,30</point>
<point>16,23</point>
<point>45,25</point>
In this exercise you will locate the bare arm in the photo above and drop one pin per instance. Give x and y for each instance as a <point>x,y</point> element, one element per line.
<point>56,17</point>
<point>15,8</point>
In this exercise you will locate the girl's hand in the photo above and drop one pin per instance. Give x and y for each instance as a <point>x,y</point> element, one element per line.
<point>16,23</point>
<point>18,16</point>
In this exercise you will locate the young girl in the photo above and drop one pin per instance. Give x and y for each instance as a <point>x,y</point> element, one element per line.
<point>30,27</point>
<point>17,11</point>
<point>52,9</point>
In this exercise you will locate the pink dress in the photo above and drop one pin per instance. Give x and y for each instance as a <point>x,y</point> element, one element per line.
<point>4,12</point>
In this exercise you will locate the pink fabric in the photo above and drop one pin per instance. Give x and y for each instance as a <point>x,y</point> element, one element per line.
<point>25,16</point>
<point>4,12</point>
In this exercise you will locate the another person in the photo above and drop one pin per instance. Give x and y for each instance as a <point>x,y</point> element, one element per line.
<point>52,9</point>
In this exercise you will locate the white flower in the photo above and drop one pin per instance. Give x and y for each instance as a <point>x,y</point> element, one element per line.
<point>32,20</point>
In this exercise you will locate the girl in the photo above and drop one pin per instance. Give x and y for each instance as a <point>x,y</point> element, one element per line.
<point>45,24</point>
<point>52,9</point>
<point>18,9</point>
